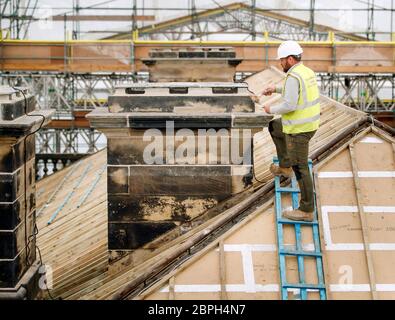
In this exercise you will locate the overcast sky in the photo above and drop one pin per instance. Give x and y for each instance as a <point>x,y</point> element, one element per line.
<point>343,19</point>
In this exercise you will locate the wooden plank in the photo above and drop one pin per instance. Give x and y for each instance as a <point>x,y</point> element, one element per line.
<point>73,269</point>
<point>361,69</point>
<point>362,216</point>
<point>222,270</point>
<point>67,232</point>
<point>68,124</point>
<point>329,135</point>
<point>86,277</point>
<point>322,239</point>
<point>76,245</point>
<point>86,269</point>
<point>62,241</point>
<point>81,289</point>
<point>71,254</point>
<point>344,107</point>
<point>43,56</point>
<point>330,130</point>
<point>171,288</point>
<point>383,134</point>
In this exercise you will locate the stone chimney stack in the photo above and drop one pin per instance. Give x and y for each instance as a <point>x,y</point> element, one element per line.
<point>192,64</point>
<point>174,150</point>
<point>19,276</point>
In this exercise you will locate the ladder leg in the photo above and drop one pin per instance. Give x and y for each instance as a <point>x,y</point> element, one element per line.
<point>280,240</point>
<point>298,239</point>
<point>301,270</point>
<point>283,277</point>
<point>295,197</point>
<point>317,245</point>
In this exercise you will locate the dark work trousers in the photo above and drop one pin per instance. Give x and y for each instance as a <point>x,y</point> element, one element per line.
<point>293,151</point>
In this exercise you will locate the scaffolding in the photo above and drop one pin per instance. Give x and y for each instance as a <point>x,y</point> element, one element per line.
<point>249,19</point>
<point>247,16</point>
<point>73,80</point>
<point>16,17</point>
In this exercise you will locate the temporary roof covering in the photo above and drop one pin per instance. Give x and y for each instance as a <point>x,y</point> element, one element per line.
<point>354,167</point>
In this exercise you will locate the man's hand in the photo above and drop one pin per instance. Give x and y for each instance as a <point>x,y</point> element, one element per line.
<point>269,91</point>
<point>266,108</point>
<point>255,98</point>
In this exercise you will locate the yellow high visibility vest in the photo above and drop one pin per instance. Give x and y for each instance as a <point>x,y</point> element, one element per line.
<point>306,117</point>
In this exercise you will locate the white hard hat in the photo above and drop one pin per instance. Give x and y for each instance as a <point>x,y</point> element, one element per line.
<point>289,48</point>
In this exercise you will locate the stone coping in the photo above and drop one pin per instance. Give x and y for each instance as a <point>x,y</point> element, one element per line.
<point>102,118</point>
<point>25,124</point>
<point>184,85</point>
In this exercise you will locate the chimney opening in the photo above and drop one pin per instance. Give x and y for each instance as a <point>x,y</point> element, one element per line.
<point>178,90</point>
<point>134,91</point>
<point>224,90</point>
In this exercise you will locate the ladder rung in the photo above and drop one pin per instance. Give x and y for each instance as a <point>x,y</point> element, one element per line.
<point>290,190</point>
<point>286,221</point>
<point>300,253</point>
<point>303,286</point>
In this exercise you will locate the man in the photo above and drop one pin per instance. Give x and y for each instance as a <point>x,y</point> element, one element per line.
<point>300,113</point>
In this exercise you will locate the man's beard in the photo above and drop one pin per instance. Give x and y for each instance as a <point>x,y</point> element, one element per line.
<point>286,68</point>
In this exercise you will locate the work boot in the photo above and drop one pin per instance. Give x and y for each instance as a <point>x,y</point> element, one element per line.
<point>298,215</point>
<point>279,171</point>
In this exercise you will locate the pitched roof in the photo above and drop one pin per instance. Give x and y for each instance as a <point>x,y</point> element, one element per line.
<point>75,243</point>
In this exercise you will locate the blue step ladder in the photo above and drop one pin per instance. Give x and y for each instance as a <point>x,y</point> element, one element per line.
<point>298,252</point>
